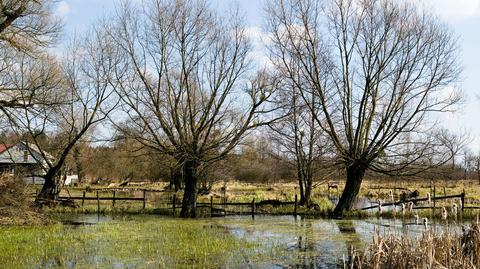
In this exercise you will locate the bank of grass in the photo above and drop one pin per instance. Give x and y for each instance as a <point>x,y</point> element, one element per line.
<point>170,243</point>
<point>445,250</point>
<point>283,192</point>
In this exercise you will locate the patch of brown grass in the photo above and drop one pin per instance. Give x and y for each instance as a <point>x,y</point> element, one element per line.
<point>445,250</point>
<point>15,205</point>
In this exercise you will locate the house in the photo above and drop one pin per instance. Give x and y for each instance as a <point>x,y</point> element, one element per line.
<point>23,159</point>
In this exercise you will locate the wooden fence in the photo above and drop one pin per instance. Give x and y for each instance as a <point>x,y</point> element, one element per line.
<point>432,199</point>
<point>216,208</point>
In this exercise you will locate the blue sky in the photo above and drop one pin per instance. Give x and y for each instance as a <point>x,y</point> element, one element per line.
<point>462,15</point>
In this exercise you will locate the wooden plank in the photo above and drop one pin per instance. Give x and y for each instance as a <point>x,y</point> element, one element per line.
<point>101,198</point>
<point>98,203</point>
<point>144,198</point>
<point>174,200</point>
<point>253,208</point>
<point>250,203</point>
<point>296,206</point>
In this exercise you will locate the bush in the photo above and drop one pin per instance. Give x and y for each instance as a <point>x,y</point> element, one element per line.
<point>15,205</point>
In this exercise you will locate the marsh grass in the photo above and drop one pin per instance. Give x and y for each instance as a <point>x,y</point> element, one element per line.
<point>449,249</point>
<point>171,243</point>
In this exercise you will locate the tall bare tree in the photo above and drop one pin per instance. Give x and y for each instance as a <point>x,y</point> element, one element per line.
<point>183,84</point>
<point>299,137</point>
<point>379,68</point>
<point>81,97</point>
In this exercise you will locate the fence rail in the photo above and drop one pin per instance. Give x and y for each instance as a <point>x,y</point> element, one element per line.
<point>433,199</point>
<point>214,211</point>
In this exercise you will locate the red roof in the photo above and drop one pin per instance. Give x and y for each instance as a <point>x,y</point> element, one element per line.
<point>4,147</point>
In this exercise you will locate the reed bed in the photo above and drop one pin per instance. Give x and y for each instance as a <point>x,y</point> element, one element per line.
<point>448,249</point>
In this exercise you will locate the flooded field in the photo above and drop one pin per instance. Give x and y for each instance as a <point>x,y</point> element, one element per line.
<point>86,241</point>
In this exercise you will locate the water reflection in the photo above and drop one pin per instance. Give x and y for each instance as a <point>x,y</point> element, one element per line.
<point>288,242</point>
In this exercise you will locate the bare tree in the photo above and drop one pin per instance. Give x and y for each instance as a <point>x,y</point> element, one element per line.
<point>477,166</point>
<point>27,24</point>
<point>299,137</point>
<point>454,143</point>
<point>379,68</point>
<point>27,27</point>
<point>82,95</point>
<point>183,84</point>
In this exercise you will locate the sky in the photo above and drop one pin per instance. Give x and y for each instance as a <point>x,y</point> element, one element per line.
<point>463,16</point>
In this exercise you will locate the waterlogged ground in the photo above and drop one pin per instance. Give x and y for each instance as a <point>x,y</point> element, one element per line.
<point>89,241</point>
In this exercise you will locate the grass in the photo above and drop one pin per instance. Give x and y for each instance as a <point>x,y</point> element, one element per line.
<point>246,192</point>
<point>170,243</point>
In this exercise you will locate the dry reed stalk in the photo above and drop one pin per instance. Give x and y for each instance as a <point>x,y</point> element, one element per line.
<point>445,250</point>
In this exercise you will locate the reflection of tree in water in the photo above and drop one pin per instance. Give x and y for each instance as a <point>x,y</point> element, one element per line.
<point>306,246</point>
<point>309,256</point>
<point>351,238</point>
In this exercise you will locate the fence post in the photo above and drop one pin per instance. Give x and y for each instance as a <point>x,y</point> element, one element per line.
<point>434,199</point>
<point>113,200</point>
<point>174,204</point>
<point>83,198</point>
<point>144,198</point>
<point>98,203</point>
<point>296,205</point>
<point>211,206</point>
<point>463,199</point>
<point>253,208</point>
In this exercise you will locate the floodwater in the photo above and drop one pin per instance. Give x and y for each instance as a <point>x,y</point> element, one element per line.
<point>273,241</point>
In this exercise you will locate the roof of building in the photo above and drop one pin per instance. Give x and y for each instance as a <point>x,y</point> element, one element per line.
<point>4,147</point>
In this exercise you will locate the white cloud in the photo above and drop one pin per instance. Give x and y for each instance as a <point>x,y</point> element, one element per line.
<point>259,41</point>
<point>454,10</point>
<point>63,9</point>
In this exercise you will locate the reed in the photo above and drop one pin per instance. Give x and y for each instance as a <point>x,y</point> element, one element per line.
<point>448,249</point>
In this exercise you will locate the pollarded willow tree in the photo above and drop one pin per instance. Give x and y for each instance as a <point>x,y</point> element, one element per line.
<point>184,84</point>
<point>379,69</point>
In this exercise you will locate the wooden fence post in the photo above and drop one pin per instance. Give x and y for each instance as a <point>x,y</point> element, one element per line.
<point>463,199</point>
<point>174,204</point>
<point>253,208</point>
<point>98,203</point>
<point>83,198</point>
<point>211,206</point>
<point>113,200</point>
<point>434,199</point>
<point>296,205</point>
<point>144,198</point>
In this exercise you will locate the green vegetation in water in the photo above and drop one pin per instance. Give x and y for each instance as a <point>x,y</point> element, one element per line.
<point>147,243</point>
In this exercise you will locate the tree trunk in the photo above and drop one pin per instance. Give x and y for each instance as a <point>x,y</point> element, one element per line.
<point>175,179</point>
<point>308,190</point>
<point>49,192</point>
<point>189,204</point>
<point>355,173</point>
<point>302,190</point>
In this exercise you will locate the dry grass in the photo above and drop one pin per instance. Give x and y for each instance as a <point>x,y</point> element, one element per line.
<point>445,250</point>
<point>15,203</point>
